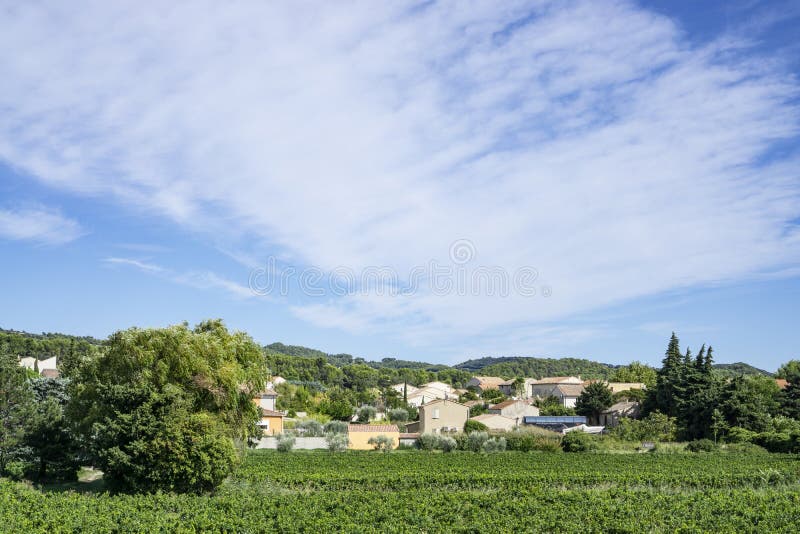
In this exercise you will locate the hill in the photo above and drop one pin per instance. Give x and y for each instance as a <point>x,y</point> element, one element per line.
<point>340,360</point>
<point>513,366</point>
<point>739,368</point>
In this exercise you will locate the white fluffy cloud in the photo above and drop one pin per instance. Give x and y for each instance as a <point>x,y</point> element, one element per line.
<point>38,224</point>
<point>588,139</point>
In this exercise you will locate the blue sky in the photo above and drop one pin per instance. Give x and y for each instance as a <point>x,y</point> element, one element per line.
<point>637,162</point>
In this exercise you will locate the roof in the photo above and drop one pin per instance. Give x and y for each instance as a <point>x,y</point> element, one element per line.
<point>436,401</point>
<point>506,404</point>
<point>569,390</point>
<point>373,428</point>
<point>470,404</point>
<point>51,373</point>
<point>268,392</point>
<point>559,380</point>
<point>782,383</point>
<point>622,407</point>
<point>270,413</point>
<point>490,381</point>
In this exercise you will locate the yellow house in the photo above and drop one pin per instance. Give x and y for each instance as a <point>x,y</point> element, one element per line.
<point>359,435</point>
<point>271,422</point>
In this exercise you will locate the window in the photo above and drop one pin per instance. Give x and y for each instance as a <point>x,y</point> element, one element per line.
<point>436,413</point>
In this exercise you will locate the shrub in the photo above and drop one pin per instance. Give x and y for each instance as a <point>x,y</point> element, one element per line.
<point>336,427</point>
<point>737,434</point>
<point>337,442</point>
<point>15,470</point>
<point>701,445</point>
<point>778,441</point>
<point>474,426</point>
<point>366,414</point>
<point>578,441</point>
<point>476,440</point>
<point>745,448</point>
<point>382,443</point>
<point>310,429</point>
<point>397,415</point>
<point>447,444</point>
<point>285,442</point>
<point>494,445</point>
<point>525,441</point>
<point>428,442</point>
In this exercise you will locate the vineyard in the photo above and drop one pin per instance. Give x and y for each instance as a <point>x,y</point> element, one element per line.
<point>459,492</point>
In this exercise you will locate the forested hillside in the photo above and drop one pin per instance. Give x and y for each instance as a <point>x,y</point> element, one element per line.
<point>69,349</point>
<point>509,367</point>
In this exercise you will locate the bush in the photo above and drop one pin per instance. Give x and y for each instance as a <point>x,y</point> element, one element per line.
<point>525,441</point>
<point>428,442</point>
<point>397,415</point>
<point>494,445</point>
<point>701,445</point>
<point>285,442</point>
<point>737,434</point>
<point>578,441</point>
<point>366,414</point>
<point>447,444</point>
<point>337,442</point>
<point>474,426</point>
<point>475,441</point>
<point>310,429</point>
<point>336,427</point>
<point>15,470</point>
<point>778,441</point>
<point>382,443</point>
<point>745,448</point>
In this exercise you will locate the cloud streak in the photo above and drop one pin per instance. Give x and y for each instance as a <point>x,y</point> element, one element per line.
<point>38,224</point>
<point>590,140</point>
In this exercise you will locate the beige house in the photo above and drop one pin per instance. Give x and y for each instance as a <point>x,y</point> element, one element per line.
<point>441,415</point>
<point>271,422</point>
<point>496,422</point>
<point>484,383</point>
<point>544,387</point>
<point>616,387</point>
<point>515,409</point>
<point>266,399</point>
<point>360,435</point>
<point>611,416</point>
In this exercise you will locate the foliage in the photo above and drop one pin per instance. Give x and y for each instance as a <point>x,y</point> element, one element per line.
<point>285,442</point>
<point>526,441</point>
<point>475,441</point>
<point>496,444</point>
<point>336,427</point>
<point>630,395</point>
<point>577,441</point>
<point>635,372</point>
<point>382,443</point>
<point>701,445</point>
<point>337,442</point>
<point>162,407</point>
<point>730,370</point>
<point>595,398</point>
<point>493,395</point>
<point>16,407</point>
<point>789,371</point>
<point>71,351</point>
<point>478,409</point>
<point>654,427</point>
<point>510,367</point>
<point>474,426</point>
<point>551,405</point>
<point>310,428</point>
<point>397,415</point>
<point>749,401</point>
<point>366,414</point>
<point>446,444</point>
<point>51,444</point>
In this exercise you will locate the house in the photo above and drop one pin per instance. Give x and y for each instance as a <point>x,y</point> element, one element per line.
<point>515,409</point>
<point>496,422</point>
<point>275,382</point>
<point>409,389</point>
<point>509,388</point>
<point>566,388</point>
<point>50,364</point>
<point>441,415</point>
<point>613,414</point>
<point>485,383</point>
<point>266,399</point>
<point>271,422</point>
<point>360,435</point>
<point>408,439</point>
<point>430,391</point>
<point>782,383</point>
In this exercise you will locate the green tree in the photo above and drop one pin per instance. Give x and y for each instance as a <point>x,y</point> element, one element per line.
<point>788,370</point>
<point>164,407</point>
<point>749,401</point>
<point>16,408</point>
<point>49,438</point>
<point>635,372</point>
<point>594,399</point>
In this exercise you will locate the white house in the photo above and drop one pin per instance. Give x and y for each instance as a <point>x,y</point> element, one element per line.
<point>50,364</point>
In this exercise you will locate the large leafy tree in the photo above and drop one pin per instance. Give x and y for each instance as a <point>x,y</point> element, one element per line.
<point>16,407</point>
<point>51,443</point>
<point>749,401</point>
<point>635,372</point>
<point>596,398</point>
<point>164,408</point>
<point>790,397</point>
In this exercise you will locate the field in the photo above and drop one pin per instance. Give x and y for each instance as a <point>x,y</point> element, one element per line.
<point>459,492</point>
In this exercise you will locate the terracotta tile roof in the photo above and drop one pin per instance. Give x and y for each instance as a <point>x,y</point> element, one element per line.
<point>270,413</point>
<point>505,404</point>
<point>782,383</point>
<point>489,381</point>
<point>569,390</point>
<point>373,428</point>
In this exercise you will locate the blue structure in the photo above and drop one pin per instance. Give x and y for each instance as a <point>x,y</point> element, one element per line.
<point>554,422</point>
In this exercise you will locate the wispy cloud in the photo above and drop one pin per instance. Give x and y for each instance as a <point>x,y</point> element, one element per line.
<point>196,279</point>
<point>38,224</point>
<point>589,139</point>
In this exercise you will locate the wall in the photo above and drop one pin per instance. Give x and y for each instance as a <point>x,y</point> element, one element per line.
<point>300,443</point>
<point>358,440</point>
